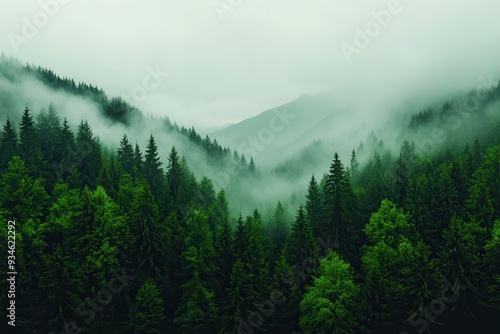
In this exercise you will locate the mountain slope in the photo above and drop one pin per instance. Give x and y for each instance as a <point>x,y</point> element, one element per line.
<point>277,133</point>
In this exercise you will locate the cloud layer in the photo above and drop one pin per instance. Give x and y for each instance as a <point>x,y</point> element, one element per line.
<point>228,60</point>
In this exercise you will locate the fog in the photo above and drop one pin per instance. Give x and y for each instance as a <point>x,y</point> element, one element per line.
<point>212,63</point>
<point>229,60</point>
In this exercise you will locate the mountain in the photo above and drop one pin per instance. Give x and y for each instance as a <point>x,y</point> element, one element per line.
<point>276,134</point>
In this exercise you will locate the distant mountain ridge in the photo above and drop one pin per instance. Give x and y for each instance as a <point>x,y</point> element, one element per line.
<point>278,133</point>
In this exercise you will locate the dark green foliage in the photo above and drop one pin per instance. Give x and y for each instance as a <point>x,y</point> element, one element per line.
<point>146,313</point>
<point>85,213</point>
<point>314,207</point>
<point>279,229</point>
<point>338,209</point>
<point>88,158</point>
<point>152,170</point>
<point>8,145</point>
<point>126,156</point>
<point>27,136</point>
<point>301,250</point>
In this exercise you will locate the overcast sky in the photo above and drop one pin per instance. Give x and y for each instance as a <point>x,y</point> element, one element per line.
<point>234,62</point>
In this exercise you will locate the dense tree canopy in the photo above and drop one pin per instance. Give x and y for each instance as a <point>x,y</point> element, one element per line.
<point>130,241</point>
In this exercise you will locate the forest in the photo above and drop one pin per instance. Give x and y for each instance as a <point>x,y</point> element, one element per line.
<point>116,241</point>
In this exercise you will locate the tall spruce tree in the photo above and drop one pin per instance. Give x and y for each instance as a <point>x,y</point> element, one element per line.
<point>338,211</point>
<point>152,169</point>
<point>8,145</point>
<point>314,206</point>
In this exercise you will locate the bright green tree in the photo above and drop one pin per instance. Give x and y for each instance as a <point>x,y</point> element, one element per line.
<point>329,304</point>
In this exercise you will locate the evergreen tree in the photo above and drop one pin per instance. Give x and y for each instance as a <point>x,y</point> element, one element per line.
<point>126,155</point>
<point>150,244</point>
<point>338,213</point>
<point>400,180</point>
<point>391,242</point>
<point>251,167</point>
<point>197,309</point>
<point>286,297</point>
<point>138,161</point>
<point>478,205</point>
<point>21,197</point>
<point>48,128</point>
<point>224,255</point>
<point>152,170</point>
<point>66,148</point>
<point>314,207</point>
<point>27,136</point>
<point>354,167</point>
<point>424,280</point>
<point>8,145</point>
<point>492,268</point>
<point>174,174</point>
<point>330,302</point>
<point>147,312</point>
<point>301,250</point>
<point>88,158</point>
<point>279,230</point>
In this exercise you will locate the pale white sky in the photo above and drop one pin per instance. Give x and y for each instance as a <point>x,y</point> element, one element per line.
<point>227,66</point>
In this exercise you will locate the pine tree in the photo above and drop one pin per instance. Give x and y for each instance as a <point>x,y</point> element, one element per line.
<point>152,170</point>
<point>329,306</point>
<point>249,278</point>
<point>138,161</point>
<point>314,207</point>
<point>88,158</point>
<point>338,212</point>
<point>174,173</point>
<point>21,197</point>
<point>238,297</point>
<point>197,309</point>
<point>109,176</point>
<point>48,128</point>
<point>66,148</point>
<point>197,312</point>
<point>147,312</point>
<point>8,145</point>
<point>251,167</point>
<point>27,136</point>
<point>385,259</point>
<point>354,167</point>
<point>285,298</point>
<point>400,180</point>
<point>478,205</point>
<point>301,250</point>
<point>492,267</point>
<point>424,281</point>
<point>224,255</point>
<point>279,230</point>
<point>60,285</point>
<point>150,244</point>
<point>460,258</point>
<point>126,155</point>
<point>460,253</point>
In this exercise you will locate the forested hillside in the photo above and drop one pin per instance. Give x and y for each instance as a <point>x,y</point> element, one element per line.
<point>115,241</point>
<point>174,234</point>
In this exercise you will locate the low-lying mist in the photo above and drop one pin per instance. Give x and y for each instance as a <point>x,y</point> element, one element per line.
<point>285,166</point>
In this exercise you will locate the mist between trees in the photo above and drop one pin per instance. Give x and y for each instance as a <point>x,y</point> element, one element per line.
<point>367,244</point>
